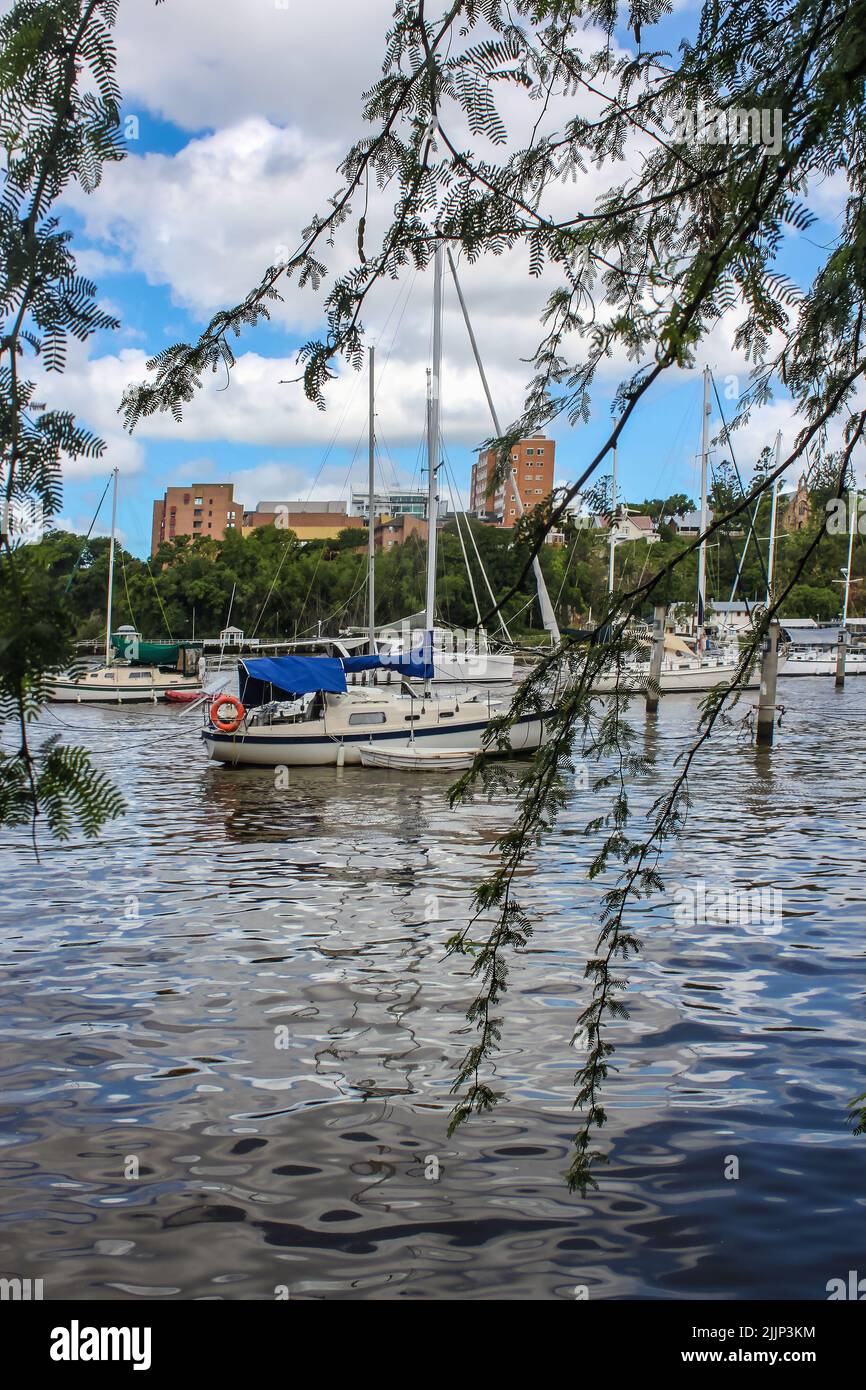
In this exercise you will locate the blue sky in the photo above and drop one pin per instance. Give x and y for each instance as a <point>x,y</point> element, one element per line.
<point>235,145</point>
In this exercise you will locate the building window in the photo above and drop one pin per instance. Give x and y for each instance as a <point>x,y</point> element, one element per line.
<point>198,502</point>
<point>185,500</point>
<point>529,453</point>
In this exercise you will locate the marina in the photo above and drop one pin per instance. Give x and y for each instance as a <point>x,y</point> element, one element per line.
<point>432,597</point>
<point>260,1008</point>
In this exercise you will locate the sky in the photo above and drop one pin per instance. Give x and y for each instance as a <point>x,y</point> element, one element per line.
<point>237,114</point>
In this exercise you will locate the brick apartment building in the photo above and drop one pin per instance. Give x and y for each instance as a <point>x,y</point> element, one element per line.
<point>533,463</point>
<point>200,509</point>
<point>309,521</point>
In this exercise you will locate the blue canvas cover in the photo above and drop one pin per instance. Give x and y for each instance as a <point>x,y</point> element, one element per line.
<point>413,666</point>
<point>282,677</point>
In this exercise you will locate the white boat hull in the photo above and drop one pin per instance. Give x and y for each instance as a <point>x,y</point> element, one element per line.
<point>295,745</point>
<point>823,665</point>
<point>119,686</point>
<point>688,678</point>
<point>415,759</point>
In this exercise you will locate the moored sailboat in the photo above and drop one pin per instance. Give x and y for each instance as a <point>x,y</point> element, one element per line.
<point>130,681</point>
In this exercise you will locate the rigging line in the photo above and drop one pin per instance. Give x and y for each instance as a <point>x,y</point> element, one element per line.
<point>499,614</point>
<point>363,584</point>
<point>359,588</point>
<point>159,601</point>
<point>74,570</point>
<point>565,571</point>
<point>126,588</point>
<point>451,490</point>
<point>286,548</point>
<point>751,530</point>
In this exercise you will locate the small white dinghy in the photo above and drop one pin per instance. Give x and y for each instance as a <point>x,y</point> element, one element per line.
<point>417,759</point>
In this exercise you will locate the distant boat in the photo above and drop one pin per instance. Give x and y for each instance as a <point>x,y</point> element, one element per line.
<point>683,671</point>
<point>813,653</point>
<point>417,759</point>
<point>142,676</point>
<point>122,685</point>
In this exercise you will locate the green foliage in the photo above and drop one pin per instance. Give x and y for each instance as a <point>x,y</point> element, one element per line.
<point>59,124</point>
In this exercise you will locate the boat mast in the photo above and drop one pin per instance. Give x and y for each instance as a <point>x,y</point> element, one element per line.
<point>371,541</point>
<point>613,520</point>
<point>852,525</point>
<point>771,556</point>
<point>433,380</point>
<point>111,571</point>
<point>548,617</point>
<point>702,552</point>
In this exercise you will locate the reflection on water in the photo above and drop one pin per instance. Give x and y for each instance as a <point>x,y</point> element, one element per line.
<point>229,1031</point>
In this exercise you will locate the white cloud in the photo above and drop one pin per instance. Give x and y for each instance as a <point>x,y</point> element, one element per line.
<point>201,64</point>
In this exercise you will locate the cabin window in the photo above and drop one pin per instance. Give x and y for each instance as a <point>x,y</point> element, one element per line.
<point>446,714</point>
<point>368,716</point>
<point>408,718</point>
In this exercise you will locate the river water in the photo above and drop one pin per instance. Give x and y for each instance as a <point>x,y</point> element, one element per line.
<point>229,1032</point>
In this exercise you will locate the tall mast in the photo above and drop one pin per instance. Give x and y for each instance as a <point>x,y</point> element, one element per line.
<point>433,441</point>
<point>852,526</point>
<point>613,518</point>
<point>702,553</point>
<point>111,571</point>
<point>771,556</point>
<point>371,525</point>
<point>548,617</point>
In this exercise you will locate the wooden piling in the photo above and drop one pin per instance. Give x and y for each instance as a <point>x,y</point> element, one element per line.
<point>841,648</point>
<point>767,697</point>
<point>660,613</point>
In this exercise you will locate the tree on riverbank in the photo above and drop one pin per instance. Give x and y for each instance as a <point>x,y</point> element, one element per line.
<point>60,123</point>
<point>279,588</point>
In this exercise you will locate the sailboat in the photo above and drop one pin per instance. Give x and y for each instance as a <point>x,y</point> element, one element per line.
<point>129,681</point>
<point>688,667</point>
<point>301,711</point>
<point>459,658</point>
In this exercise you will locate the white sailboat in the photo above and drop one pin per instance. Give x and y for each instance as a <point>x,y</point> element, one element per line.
<point>118,682</point>
<point>459,658</point>
<point>689,668</point>
<point>813,651</point>
<point>301,711</point>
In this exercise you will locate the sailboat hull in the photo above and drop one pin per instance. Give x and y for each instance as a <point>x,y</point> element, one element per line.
<point>118,685</point>
<point>690,678</point>
<point>301,746</point>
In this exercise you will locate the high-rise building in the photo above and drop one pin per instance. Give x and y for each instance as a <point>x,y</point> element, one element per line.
<point>199,509</point>
<point>532,461</point>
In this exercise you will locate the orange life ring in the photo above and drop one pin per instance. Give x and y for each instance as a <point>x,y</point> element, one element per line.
<point>228,726</point>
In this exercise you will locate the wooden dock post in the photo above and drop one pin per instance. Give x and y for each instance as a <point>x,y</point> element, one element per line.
<point>660,614</point>
<point>769,674</point>
<point>841,647</point>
